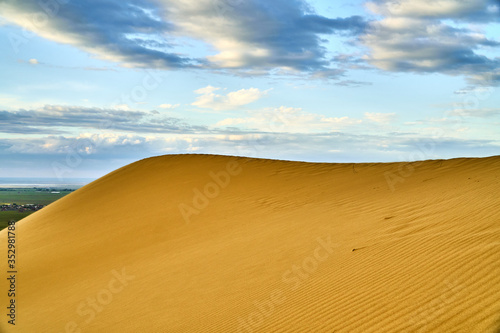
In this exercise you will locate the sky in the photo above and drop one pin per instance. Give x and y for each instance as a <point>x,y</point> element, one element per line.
<point>89,86</point>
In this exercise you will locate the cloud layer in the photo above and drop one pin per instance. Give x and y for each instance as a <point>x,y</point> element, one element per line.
<point>64,119</point>
<point>68,156</point>
<point>65,134</point>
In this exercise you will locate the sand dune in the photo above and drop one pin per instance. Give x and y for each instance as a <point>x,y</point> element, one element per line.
<point>200,243</point>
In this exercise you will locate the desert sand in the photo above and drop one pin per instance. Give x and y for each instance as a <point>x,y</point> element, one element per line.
<point>202,243</point>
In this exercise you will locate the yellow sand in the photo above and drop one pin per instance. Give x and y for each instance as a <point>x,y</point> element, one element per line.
<point>272,251</point>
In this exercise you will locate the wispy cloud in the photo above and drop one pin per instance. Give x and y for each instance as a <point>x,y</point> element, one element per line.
<point>477,113</point>
<point>169,106</point>
<point>383,118</point>
<point>289,120</point>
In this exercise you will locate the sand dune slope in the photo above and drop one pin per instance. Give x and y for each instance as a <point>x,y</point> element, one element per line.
<point>200,243</point>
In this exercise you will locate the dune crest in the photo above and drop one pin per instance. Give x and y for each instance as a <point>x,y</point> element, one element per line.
<point>203,243</point>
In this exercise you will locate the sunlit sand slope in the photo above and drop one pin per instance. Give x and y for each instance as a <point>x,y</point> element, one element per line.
<point>199,243</point>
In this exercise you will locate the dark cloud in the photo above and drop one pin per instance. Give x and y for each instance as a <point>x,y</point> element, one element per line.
<point>286,32</point>
<point>319,24</point>
<point>422,37</point>
<point>105,28</point>
<point>140,33</point>
<point>352,83</point>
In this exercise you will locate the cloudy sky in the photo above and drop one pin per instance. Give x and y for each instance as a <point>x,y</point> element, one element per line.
<point>89,86</point>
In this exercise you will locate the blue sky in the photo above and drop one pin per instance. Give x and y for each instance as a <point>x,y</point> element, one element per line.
<point>89,86</point>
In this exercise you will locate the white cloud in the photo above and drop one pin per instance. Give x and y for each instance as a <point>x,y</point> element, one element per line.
<point>123,107</point>
<point>383,118</point>
<point>207,90</point>
<point>33,61</point>
<point>233,100</point>
<point>169,106</point>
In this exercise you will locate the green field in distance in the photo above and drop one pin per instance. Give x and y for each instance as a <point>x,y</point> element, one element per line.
<point>23,196</point>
